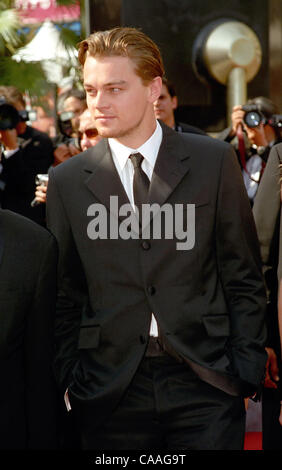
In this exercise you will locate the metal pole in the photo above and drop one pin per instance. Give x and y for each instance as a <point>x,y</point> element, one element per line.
<point>236,89</point>
<point>87,17</point>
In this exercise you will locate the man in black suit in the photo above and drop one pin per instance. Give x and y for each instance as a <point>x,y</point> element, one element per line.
<point>26,152</point>
<point>165,107</point>
<point>28,260</point>
<point>267,215</point>
<point>159,329</point>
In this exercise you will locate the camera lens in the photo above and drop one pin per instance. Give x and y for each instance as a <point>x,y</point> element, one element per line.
<point>253,118</point>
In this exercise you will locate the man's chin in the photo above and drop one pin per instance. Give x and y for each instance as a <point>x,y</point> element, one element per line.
<point>106,133</point>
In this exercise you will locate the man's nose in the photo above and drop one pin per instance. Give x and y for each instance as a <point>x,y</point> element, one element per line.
<point>101,100</point>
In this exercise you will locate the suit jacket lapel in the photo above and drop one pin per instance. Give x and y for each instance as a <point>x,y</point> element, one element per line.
<point>171,165</point>
<point>103,180</point>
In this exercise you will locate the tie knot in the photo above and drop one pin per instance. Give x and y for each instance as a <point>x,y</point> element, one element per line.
<point>136,159</point>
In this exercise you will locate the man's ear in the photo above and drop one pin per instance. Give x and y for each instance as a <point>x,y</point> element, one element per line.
<point>155,89</point>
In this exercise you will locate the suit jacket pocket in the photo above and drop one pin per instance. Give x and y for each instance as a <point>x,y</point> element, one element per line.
<point>89,337</point>
<point>217,325</point>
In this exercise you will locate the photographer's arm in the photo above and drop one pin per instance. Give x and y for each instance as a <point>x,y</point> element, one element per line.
<point>229,133</point>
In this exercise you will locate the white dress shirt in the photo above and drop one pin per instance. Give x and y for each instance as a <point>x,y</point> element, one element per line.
<point>125,169</point>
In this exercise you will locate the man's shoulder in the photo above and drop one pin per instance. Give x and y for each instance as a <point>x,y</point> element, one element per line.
<point>278,148</point>
<point>202,141</point>
<point>73,165</point>
<point>193,138</point>
<point>183,127</point>
<point>20,227</point>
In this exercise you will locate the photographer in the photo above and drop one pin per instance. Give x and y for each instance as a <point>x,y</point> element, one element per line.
<point>88,137</point>
<point>255,129</point>
<point>25,152</point>
<point>66,144</point>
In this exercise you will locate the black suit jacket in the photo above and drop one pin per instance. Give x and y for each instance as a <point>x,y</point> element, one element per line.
<point>28,257</point>
<point>209,301</point>
<point>183,127</point>
<point>267,214</point>
<point>34,156</point>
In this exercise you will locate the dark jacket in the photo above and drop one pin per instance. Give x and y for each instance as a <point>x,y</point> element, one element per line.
<point>267,214</point>
<point>209,301</point>
<point>28,258</point>
<point>34,156</point>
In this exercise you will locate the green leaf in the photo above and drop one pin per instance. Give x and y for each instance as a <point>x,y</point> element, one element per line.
<point>9,24</point>
<point>24,76</point>
<point>66,2</point>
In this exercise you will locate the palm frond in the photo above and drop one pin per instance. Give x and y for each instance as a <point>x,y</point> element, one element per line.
<point>9,24</point>
<point>66,2</point>
<point>68,37</point>
<point>25,76</point>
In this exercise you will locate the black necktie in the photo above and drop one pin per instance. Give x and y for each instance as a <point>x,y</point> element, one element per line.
<point>141,182</point>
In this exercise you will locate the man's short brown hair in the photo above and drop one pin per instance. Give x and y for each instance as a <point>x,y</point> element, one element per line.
<point>125,42</point>
<point>12,95</point>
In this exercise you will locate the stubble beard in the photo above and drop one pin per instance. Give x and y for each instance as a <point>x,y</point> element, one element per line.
<point>120,133</point>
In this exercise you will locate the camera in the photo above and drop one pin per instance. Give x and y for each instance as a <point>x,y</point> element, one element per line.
<point>40,180</point>
<point>275,120</point>
<point>64,123</point>
<point>253,116</point>
<point>10,116</point>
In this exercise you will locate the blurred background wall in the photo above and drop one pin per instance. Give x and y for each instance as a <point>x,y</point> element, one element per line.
<point>176,26</point>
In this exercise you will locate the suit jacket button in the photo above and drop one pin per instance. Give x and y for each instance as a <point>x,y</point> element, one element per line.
<point>142,339</point>
<point>151,290</point>
<point>145,245</point>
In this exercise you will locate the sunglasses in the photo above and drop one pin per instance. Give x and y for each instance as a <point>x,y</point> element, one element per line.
<point>90,133</point>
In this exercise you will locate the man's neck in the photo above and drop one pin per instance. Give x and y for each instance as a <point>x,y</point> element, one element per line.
<point>170,122</point>
<point>139,136</point>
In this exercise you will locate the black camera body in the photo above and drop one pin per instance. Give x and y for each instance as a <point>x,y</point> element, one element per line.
<point>275,120</point>
<point>65,124</point>
<point>254,117</point>
<point>10,116</point>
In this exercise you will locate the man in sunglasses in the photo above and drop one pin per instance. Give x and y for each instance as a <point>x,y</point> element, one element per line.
<point>88,134</point>
<point>88,137</point>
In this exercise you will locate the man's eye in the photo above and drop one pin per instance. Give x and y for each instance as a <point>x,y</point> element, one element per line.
<point>114,90</point>
<point>91,92</point>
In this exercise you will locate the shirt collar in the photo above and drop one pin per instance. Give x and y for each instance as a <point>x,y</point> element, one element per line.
<point>149,149</point>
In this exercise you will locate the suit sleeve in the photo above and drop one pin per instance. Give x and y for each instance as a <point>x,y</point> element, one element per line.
<point>240,272</point>
<point>71,288</point>
<point>266,208</point>
<point>40,393</point>
<point>267,215</point>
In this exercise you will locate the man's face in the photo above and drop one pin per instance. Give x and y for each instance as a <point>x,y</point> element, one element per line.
<point>164,106</point>
<point>75,106</point>
<point>120,104</point>
<point>87,130</point>
<point>256,135</point>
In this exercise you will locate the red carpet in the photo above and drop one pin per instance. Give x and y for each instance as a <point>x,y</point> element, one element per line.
<point>253,441</point>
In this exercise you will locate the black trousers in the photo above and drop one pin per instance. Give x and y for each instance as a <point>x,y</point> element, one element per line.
<point>271,428</point>
<point>167,406</point>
